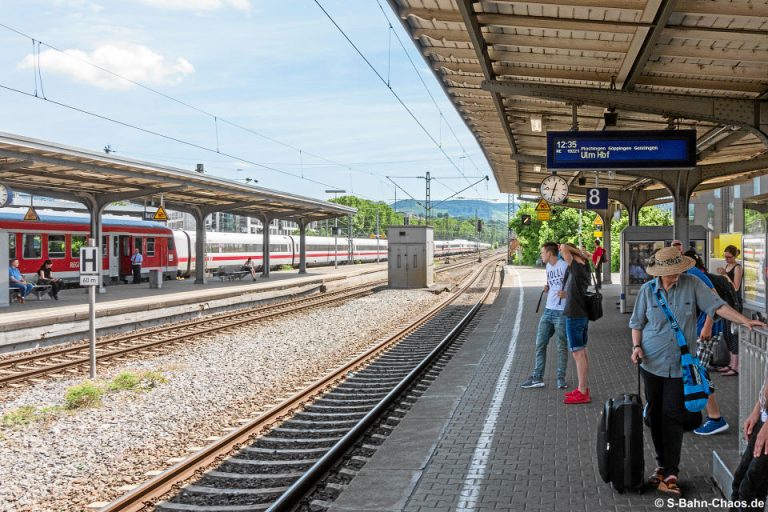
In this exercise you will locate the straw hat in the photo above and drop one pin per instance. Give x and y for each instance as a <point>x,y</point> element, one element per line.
<point>668,261</point>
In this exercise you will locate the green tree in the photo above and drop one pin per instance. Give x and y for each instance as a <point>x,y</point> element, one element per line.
<point>364,221</point>
<point>649,216</point>
<point>564,227</point>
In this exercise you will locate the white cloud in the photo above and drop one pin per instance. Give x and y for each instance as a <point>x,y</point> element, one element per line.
<point>132,61</point>
<point>200,5</point>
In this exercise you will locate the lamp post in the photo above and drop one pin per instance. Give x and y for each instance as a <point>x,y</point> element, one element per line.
<point>335,193</point>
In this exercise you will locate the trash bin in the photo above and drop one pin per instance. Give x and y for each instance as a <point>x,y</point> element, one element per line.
<point>155,278</point>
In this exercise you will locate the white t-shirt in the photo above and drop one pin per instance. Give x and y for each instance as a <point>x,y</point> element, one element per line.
<point>555,274</point>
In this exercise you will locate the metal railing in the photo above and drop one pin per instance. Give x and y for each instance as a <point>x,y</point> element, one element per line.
<point>753,355</point>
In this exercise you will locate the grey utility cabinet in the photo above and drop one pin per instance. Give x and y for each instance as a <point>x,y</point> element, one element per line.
<point>411,256</point>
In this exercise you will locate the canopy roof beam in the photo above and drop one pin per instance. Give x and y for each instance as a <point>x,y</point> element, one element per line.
<point>637,57</point>
<point>472,25</point>
<point>752,115</point>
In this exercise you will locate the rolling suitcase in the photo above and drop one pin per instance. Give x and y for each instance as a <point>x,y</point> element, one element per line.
<point>620,441</point>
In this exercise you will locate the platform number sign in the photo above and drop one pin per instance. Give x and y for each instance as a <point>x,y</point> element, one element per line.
<point>89,268</point>
<point>597,199</point>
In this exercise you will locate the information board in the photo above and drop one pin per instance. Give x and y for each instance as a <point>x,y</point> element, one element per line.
<point>621,150</point>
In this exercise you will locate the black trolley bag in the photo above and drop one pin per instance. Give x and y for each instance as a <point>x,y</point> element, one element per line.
<point>620,457</point>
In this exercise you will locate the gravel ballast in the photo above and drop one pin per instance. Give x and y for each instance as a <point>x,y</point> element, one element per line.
<point>85,456</point>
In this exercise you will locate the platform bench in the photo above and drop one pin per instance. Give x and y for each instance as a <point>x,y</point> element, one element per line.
<point>38,291</point>
<point>230,273</point>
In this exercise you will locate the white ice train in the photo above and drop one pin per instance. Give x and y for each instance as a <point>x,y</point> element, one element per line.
<point>232,249</point>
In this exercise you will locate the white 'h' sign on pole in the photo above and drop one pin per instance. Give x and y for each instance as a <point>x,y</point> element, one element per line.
<point>89,257</point>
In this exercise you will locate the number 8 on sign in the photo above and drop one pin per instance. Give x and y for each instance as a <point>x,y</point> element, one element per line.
<point>597,198</point>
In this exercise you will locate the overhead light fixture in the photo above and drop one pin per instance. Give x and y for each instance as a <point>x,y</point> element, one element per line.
<point>536,168</point>
<point>536,124</point>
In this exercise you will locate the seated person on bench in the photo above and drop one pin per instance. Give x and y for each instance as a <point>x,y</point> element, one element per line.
<point>44,277</point>
<point>16,280</point>
<point>250,266</point>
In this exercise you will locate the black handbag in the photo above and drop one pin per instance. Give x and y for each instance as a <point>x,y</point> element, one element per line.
<point>594,303</point>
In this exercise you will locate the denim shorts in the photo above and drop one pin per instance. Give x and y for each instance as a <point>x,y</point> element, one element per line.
<point>576,331</point>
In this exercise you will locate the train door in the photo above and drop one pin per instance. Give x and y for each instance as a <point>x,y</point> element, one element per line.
<point>114,257</point>
<point>126,249</point>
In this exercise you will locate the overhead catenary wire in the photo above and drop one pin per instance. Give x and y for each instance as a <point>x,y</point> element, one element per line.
<point>426,88</point>
<point>216,119</point>
<point>389,87</point>
<point>162,135</point>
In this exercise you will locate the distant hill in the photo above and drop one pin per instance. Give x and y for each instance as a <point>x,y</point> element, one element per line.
<point>460,208</point>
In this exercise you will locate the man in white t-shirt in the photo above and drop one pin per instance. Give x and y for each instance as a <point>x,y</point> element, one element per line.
<point>750,480</point>
<point>552,321</point>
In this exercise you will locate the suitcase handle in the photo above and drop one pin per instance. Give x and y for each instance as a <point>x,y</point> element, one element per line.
<point>639,361</point>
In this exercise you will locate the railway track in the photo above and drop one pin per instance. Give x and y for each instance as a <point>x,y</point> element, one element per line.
<point>72,360</point>
<point>277,460</point>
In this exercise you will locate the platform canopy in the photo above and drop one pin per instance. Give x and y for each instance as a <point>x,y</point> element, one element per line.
<point>48,169</point>
<point>697,64</point>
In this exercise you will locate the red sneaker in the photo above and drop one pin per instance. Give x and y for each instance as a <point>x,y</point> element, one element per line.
<point>578,398</point>
<point>570,393</point>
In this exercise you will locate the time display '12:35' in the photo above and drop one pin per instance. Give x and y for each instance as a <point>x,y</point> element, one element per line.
<point>565,144</point>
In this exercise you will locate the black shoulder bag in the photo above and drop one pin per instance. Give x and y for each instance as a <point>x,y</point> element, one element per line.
<point>594,302</point>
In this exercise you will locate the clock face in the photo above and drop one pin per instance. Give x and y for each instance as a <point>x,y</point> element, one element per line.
<point>554,189</point>
<point>5,195</point>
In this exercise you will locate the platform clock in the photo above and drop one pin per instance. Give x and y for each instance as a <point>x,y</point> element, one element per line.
<point>6,195</point>
<point>554,189</point>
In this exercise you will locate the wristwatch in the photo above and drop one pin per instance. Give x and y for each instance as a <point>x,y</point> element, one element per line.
<point>636,346</point>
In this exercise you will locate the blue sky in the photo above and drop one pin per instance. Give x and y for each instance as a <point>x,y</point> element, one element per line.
<point>284,72</point>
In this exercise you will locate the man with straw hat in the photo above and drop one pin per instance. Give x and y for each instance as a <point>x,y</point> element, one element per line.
<point>655,344</point>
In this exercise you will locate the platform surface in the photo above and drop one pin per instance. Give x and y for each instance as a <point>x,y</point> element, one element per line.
<point>458,449</point>
<point>73,302</point>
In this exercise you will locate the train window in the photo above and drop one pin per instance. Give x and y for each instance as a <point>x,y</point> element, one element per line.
<point>104,247</point>
<point>76,242</point>
<point>12,245</point>
<point>33,247</point>
<point>137,244</point>
<point>150,246</point>
<point>171,244</point>
<point>56,246</point>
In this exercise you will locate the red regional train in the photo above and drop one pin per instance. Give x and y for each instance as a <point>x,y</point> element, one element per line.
<point>58,237</point>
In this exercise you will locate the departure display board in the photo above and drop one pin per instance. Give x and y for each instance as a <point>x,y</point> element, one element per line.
<point>621,150</point>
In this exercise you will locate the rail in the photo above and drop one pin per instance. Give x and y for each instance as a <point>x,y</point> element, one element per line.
<point>23,368</point>
<point>153,489</point>
<point>290,498</point>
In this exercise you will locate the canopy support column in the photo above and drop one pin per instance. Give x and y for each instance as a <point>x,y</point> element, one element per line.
<point>200,242</point>
<point>607,245</point>
<point>302,246</point>
<point>95,210</point>
<point>4,263</point>
<point>682,193</point>
<point>266,220</point>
